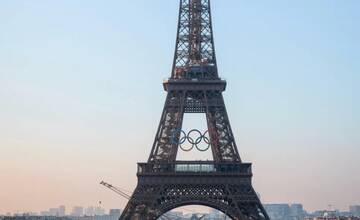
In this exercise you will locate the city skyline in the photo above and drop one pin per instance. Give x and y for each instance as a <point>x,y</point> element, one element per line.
<point>276,212</point>
<point>281,211</point>
<point>76,76</point>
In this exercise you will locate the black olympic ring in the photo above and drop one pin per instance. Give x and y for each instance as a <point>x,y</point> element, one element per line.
<point>179,137</point>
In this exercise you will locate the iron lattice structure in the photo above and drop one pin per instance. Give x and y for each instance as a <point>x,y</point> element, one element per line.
<point>194,41</point>
<point>194,87</point>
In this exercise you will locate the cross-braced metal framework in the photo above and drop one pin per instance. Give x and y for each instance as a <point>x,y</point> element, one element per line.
<point>166,186</point>
<point>199,97</point>
<point>194,42</point>
<point>194,87</point>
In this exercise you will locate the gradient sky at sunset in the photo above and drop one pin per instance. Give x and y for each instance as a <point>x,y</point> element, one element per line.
<point>81,96</point>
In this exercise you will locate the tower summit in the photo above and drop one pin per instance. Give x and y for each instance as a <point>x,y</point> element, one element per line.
<point>194,41</point>
<point>164,183</point>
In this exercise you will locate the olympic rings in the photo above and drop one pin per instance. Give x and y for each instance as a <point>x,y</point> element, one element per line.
<point>194,137</point>
<point>206,140</point>
<point>182,140</point>
<point>178,136</point>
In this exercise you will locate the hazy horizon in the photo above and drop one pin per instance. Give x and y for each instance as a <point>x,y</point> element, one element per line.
<point>81,97</point>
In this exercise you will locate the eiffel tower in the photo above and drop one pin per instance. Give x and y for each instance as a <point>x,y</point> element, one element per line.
<point>164,183</point>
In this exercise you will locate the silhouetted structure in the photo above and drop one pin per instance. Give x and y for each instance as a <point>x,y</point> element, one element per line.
<point>194,87</point>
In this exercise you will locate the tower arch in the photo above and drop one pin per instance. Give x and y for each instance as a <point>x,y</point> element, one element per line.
<point>188,209</point>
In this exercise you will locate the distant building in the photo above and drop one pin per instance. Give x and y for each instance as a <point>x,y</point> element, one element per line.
<point>214,214</point>
<point>53,212</point>
<point>62,210</point>
<point>285,211</point>
<point>31,214</point>
<point>115,212</point>
<point>45,213</point>
<point>93,211</point>
<point>22,217</point>
<point>355,210</point>
<point>99,211</point>
<point>95,217</point>
<point>332,218</point>
<point>176,215</point>
<point>297,211</point>
<point>77,211</point>
<point>89,211</point>
<point>325,213</point>
<point>278,211</point>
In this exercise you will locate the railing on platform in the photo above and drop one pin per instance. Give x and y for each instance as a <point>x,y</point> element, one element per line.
<point>195,167</point>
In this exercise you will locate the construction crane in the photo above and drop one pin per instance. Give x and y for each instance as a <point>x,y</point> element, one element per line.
<point>124,194</point>
<point>116,190</point>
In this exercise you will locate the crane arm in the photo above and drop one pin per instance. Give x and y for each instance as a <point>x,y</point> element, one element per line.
<point>116,190</point>
<point>123,194</point>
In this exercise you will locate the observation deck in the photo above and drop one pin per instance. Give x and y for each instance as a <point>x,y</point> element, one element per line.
<point>195,168</point>
<point>194,84</point>
<point>195,77</point>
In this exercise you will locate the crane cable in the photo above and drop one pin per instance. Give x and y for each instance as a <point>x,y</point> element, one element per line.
<point>123,194</point>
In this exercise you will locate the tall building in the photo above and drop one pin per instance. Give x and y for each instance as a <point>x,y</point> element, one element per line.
<point>355,210</point>
<point>62,210</point>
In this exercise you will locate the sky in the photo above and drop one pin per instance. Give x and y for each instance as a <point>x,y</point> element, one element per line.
<point>81,97</point>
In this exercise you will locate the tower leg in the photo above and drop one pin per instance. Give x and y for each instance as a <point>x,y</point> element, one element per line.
<point>233,196</point>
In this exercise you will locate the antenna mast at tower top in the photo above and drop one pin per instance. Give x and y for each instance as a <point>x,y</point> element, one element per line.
<point>195,41</point>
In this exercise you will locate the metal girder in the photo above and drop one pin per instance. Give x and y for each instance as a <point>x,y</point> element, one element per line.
<point>157,194</point>
<point>195,41</point>
<point>207,101</point>
<point>194,87</point>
